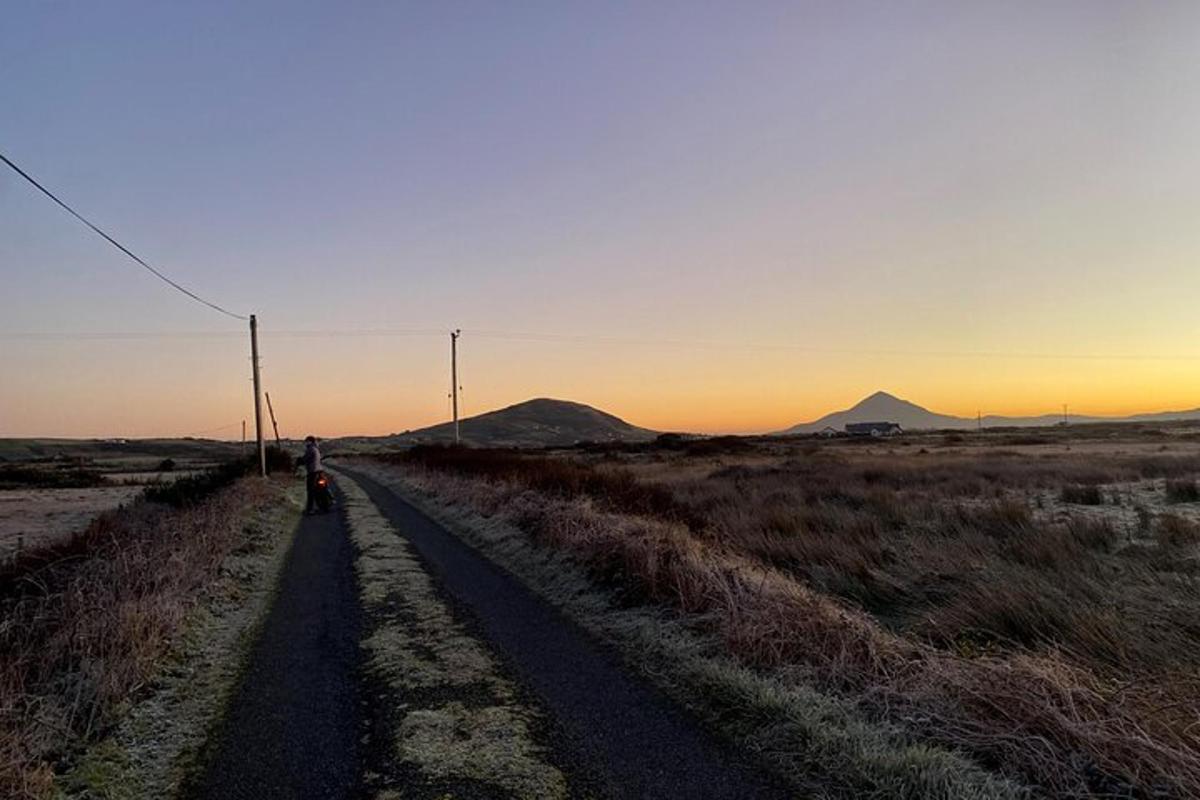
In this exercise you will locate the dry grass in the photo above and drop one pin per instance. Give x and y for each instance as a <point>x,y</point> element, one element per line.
<point>83,624</point>
<point>1060,650</point>
<point>1083,495</point>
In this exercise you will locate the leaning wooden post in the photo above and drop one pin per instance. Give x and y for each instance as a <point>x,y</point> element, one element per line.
<point>274,424</point>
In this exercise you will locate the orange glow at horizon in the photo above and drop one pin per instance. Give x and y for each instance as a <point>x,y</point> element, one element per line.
<point>324,388</point>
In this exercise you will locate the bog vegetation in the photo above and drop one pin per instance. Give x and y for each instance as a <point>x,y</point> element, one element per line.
<point>84,622</point>
<point>29,476</point>
<point>1035,610</point>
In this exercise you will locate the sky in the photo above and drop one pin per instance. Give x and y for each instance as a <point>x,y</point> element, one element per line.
<point>716,217</point>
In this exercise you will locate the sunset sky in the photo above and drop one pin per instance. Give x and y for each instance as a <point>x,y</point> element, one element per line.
<point>698,216</point>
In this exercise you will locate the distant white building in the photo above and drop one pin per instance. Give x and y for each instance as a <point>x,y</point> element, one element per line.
<point>875,429</point>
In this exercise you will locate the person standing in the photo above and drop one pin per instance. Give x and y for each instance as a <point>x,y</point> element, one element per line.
<point>312,468</point>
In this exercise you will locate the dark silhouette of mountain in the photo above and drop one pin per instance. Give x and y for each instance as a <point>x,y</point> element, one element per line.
<point>884,407</point>
<point>534,423</point>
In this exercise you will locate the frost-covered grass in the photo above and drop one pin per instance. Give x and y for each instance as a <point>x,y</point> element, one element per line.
<point>155,748</point>
<point>113,660</point>
<point>457,717</point>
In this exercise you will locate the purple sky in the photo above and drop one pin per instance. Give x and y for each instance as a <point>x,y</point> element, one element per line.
<point>910,177</point>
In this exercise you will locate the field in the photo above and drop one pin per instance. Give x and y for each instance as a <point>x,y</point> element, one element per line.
<point>1026,601</point>
<point>39,517</point>
<point>51,489</point>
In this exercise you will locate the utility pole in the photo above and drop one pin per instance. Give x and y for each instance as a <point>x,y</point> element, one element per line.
<point>979,420</point>
<point>274,424</point>
<point>1064,413</point>
<point>258,430</point>
<point>454,376</point>
<point>243,440</point>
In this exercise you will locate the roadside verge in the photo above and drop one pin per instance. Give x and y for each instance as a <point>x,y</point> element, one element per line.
<point>155,746</point>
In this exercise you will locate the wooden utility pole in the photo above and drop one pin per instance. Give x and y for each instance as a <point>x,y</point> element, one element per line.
<point>979,420</point>
<point>274,424</point>
<point>454,377</point>
<point>243,440</point>
<point>258,430</point>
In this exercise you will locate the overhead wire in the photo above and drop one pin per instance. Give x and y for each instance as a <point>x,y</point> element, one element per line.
<point>553,338</point>
<point>800,348</point>
<point>214,430</point>
<point>117,244</point>
<point>265,333</point>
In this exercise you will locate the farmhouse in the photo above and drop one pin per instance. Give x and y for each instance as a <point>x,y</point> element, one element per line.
<point>873,429</point>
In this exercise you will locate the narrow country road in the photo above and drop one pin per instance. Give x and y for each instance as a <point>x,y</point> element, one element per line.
<point>303,723</point>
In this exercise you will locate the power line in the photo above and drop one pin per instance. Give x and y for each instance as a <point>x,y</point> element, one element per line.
<point>212,430</point>
<point>116,335</point>
<point>798,348</point>
<point>269,334</point>
<point>117,244</point>
<point>553,338</point>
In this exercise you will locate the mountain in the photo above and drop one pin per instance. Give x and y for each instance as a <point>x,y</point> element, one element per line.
<point>535,423</point>
<point>884,407</point>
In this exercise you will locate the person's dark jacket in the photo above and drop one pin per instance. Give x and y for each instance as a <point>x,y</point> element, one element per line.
<point>312,458</point>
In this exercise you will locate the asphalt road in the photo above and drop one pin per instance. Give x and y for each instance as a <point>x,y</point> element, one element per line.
<point>634,740</point>
<point>294,724</point>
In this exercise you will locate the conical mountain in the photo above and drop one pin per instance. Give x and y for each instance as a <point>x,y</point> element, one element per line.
<point>884,407</point>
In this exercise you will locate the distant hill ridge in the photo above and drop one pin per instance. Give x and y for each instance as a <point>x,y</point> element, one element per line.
<point>884,407</point>
<point>541,422</point>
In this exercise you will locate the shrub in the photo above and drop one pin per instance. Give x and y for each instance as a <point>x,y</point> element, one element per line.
<point>279,460</point>
<point>1182,490</point>
<point>1174,532</point>
<point>166,465</point>
<point>1085,495</point>
<point>1094,534</point>
<point>29,477</point>
<point>194,489</point>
